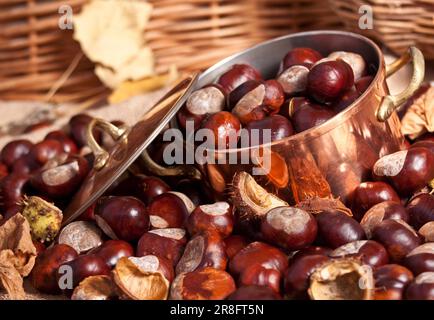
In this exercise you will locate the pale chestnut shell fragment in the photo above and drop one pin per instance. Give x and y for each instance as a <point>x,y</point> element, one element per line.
<point>81,235</point>
<point>427,231</point>
<point>342,279</point>
<point>139,283</point>
<point>95,288</point>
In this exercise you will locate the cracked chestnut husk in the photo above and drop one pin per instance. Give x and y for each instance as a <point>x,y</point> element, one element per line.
<point>95,288</point>
<point>342,279</point>
<point>250,199</point>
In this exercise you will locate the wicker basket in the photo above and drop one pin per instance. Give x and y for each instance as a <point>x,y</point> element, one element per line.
<point>37,59</point>
<point>397,23</point>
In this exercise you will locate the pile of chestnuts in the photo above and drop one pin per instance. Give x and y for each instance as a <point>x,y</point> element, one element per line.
<point>308,90</point>
<point>152,238</point>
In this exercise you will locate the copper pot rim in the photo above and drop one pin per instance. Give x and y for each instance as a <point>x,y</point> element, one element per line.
<point>337,120</point>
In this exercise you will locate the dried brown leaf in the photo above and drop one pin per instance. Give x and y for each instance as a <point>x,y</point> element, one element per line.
<point>420,116</point>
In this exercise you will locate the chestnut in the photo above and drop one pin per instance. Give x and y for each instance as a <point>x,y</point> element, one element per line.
<point>254,100</point>
<point>258,275</point>
<point>83,236</point>
<point>60,177</point>
<point>397,237</point>
<point>354,60</point>
<point>390,282</point>
<point>225,128</point>
<point>428,136</point>
<point>368,194</point>
<point>301,56</point>
<point>203,250</point>
<point>296,279</point>
<point>422,287</point>
<point>382,211</point>
<point>294,80</point>
<point>155,263</point>
<point>258,253</point>
<point>167,243</point>
<point>12,189</point>
<point>367,251</point>
<point>237,75</point>
<point>309,251</point>
<point>44,274</point>
<point>112,250</point>
<point>216,217</point>
<point>194,190</point>
<point>363,84</point>
<point>288,227</point>
<point>69,145</point>
<point>234,243</point>
<point>428,144</point>
<point>170,210</point>
<point>95,288</point>
<point>427,231</point>
<point>327,81</point>
<point>421,210</point>
<point>309,115</point>
<point>14,150</point>
<point>78,126</point>
<point>421,259</point>
<point>124,218</point>
<point>254,292</point>
<point>204,284</point>
<point>25,165</point>
<point>336,229</point>
<point>279,126</point>
<point>46,150</point>
<point>408,171</point>
<point>81,267</point>
<point>143,187</point>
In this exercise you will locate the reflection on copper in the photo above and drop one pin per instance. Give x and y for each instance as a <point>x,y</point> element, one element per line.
<point>215,178</point>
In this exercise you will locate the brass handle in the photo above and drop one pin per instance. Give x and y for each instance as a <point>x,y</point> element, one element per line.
<point>101,155</point>
<point>172,171</point>
<point>391,102</point>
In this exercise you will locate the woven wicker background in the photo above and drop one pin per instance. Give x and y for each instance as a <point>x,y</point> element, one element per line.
<point>193,34</point>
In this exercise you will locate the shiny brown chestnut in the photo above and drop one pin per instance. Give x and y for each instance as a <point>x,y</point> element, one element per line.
<point>294,80</point>
<point>25,165</point>
<point>422,287</point>
<point>336,229</point>
<point>69,146</point>
<point>421,210</point>
<point>428,136</point>
<point>327,81</point>
<point>170,210</point>
<point>428,144</point>
<point>309,251</point>
<point>420,259</point>
<point>368,252</point>
<point>12,189</point>
<point>14,150</point>
<point>368,194</point>
<point>258,253</point>
<point>254,100</point>
<point>237,75</point>
<point>301,56</point>
<point>112,250</point>
<point>60,177</point>
<point>224,127</point>
<point>383,211</point>
<point>408,171</point>
<point>167,243</point>
<point>78,126</point>
<point>81,268</point>
<point>288,227</point>
<point>124,218</point>
<point>46,150</point>
<point>215,217</point>
<point>354,60</point>
<point>143,187</point>
<point>427,231</point>
<point>254,292</point>
<point>258,275</point>
<point>234,243</point>
<point>309,115</point>
<point>279,126</point>
<point>203,250</point>
<point>397,237</point>
<point>204,284</point>
<point>390,282</point>
<point>296,280</point>
<point>44,274</point>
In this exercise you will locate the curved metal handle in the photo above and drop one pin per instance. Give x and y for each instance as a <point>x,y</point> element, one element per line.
<point>179,170</point>
<point>101,155</point>
<point>391,102</point>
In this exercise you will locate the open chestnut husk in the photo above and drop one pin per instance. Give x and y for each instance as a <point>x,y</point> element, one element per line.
<point>342,279</point>
<point>95,288</point>
<point>408,171</point>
